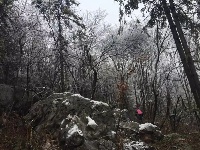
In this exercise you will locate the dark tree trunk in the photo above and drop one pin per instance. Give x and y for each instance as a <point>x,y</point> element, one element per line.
<point>94,83</point>
<point>154,84</point>
<point>155,107</point>
<point>60,40</point>
<point>167,115</point>
<point>27,80</point>
<point>183,51</point>
<point>6,73</point>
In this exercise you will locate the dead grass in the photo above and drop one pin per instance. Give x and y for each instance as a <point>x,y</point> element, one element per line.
<point>174,141</point>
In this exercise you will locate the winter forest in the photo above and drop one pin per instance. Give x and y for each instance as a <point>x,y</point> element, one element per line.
<point>72,81</point>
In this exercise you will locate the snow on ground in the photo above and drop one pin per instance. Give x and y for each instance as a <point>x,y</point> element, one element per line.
<point>135,145</point>
<point>73,130</point>
<point>147,126</point>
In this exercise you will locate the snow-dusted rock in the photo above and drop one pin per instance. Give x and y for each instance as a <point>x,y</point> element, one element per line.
<point>147,127</point>
<point>66,116</point>
<point>83,124</point>
<point>149,133</point>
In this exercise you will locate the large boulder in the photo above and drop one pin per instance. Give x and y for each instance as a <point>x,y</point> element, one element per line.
<point>78,122</point>
<point>83,124</point>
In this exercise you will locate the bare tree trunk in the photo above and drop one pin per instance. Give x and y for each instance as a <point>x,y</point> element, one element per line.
<point>183,51</point>
<point>154,84</point>
<point>27,79</point>
<point>60,40</point>
<point>94,83</point>
<point>168,97</point>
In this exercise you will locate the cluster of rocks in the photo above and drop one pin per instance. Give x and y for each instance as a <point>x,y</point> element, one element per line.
<point>83,124</point>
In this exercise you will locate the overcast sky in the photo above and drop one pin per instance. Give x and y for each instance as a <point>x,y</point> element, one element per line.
<point>110,6</point>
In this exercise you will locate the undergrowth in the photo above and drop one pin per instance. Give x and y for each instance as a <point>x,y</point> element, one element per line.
<point>15,134</point>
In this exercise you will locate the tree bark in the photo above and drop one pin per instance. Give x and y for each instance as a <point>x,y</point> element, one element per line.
<point>60,40</point>
<point>94,83</point>
<point>154,84</point>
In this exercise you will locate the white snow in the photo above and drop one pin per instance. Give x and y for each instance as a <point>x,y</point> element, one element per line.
<point>95,103</point>
<point>91,123</point>
<point>78,95</point>
<point>113,132</point>
<point>66,102</point>
<point>62,121</point>
<point>55,102</point>
<point>136,145</point>
<point>73,130</point>
<point>147,126</point>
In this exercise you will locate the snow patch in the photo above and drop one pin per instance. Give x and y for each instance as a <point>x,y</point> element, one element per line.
<point>62,121</point>
<point>147,126</point>
<point>135,145</point>
<point>66,102</point>
<point>74,130</point>
<point>95,103</point>
<point>91,123</point>
<point>113,133</point>
<point>78,95</point>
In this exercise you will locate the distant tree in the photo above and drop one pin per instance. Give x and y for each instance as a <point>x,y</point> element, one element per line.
<point>127,51</point>
<point>60,16</point>
<point>175,16</point>
<point>88,53</point>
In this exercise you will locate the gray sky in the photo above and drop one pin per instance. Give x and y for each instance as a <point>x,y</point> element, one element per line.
<point>110,6</point>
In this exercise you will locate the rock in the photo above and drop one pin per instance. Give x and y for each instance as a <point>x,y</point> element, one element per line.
<point>106,145</point>
<point>83,124</point>
<point>149,133</point>
<point>130,129</point>
<point>70,135</point>
<point>130,125</point>
<point>62,113</point>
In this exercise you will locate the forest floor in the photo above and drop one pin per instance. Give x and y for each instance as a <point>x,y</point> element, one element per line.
<point>15,135</point>
<point>175,141</point>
